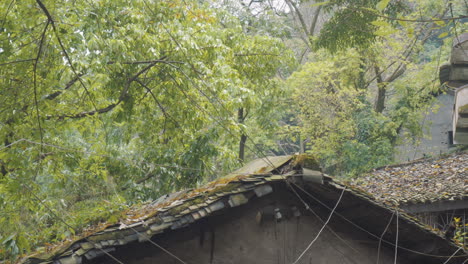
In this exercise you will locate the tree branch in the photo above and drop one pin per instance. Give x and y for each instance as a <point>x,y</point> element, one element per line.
<point>300,17</point>
<point>381,85</point>
<point>425,32</point>
<point>146,62</point>
<point>36,102</point>
<point>18,61</point>
<point>113,105</point>
<point>88,113</point>
<point>409,20</point>
<point>52,22</point>
<point>46,12</point>
<point>165,113</point>
<point>254,54</point>
<point>67,86</point>
<point>314,21</point>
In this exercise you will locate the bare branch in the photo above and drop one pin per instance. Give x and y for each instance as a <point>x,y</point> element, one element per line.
<point>445,19</point>
<point>254,54</point>
<point>146,62</point>
<point>88,113</point>
<point>313,25</point>
<point>36,104</point>
<point>46,12</point>
<point>163,110</point>
<point>17,61</point>
<point>299,15</point>
<point>52,22</point>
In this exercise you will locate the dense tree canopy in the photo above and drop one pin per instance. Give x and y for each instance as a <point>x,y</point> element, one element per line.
<point>121,101</point>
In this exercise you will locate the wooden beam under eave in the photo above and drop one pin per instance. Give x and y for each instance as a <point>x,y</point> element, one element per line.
<point>437,206</point>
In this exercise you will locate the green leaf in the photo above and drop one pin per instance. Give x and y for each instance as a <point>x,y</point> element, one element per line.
<point>380,23</point>
<point>319,4</point>
<point>382,5</point>
<point>440,22</point>
<point>403,23</point>
<point>443,35</point>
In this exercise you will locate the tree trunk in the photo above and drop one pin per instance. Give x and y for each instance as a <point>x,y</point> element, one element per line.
<point>243,138</point>
<point>301,145</point>
<point>380,102</point>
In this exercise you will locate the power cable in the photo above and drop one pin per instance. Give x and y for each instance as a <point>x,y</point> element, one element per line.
<point>323,227</point>
<point>382,235</point>
<point>307,207</point>
<point>396,238</point>
<point>447,261</point>
<point>93,243</point>
<point>368,232</point>
<point>158,246</point>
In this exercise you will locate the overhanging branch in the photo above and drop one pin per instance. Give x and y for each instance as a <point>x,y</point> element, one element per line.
<point>111,106</point>
<point>67,86</point>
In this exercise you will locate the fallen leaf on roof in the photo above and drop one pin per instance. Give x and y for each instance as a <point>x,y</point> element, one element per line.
<point>419,181</point>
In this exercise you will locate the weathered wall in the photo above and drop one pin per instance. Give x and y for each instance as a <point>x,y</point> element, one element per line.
<point>236,237</point>
<point>436,143</point>
<point>460,117</point>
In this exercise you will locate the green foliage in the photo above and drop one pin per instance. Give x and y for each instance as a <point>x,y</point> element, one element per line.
<point>121,101</point>
<point>371,79</point>
<point>461,235</point>
<point>353,23</point>
<point>343,130</point>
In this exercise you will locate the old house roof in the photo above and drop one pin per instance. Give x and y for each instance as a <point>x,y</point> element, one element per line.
<point>257,179</point>
<point>421,181</point>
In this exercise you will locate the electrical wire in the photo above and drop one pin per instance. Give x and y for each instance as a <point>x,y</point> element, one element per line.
<point>323,227</point>
<point>307,207</point>
<point>396,239</point>
<point>447,261</point>
<point>368,232</point>
<point>158,246</point>
<point>381,237</point>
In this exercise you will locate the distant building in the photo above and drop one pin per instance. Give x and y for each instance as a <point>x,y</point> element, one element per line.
<point>460,116</point>
<point>454,75</point>
<point>449,124</point>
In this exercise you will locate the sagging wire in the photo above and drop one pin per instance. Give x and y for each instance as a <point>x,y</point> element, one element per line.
<point>323,227</point>
<point>382,235</point>
<point>307,207</point>
<point>396,239</point>
<point>447,261</point>
<point>370,233</point>
<point>158,246</point>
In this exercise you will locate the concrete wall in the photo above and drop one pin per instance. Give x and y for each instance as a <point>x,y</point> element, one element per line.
<point>460,119</point>
<point>436,143</point>
<point>236,237</point>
